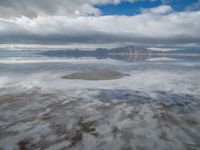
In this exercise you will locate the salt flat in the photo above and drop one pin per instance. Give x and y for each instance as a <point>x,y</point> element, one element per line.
<point>155,107</point>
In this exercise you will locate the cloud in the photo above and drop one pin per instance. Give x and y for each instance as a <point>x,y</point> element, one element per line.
<point>145,28</point>
<point>163,9</point>
<point>34,8</point>
<point>80,22</point>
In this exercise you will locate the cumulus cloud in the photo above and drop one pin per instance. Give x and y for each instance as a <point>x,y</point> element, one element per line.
<point>163,9</point>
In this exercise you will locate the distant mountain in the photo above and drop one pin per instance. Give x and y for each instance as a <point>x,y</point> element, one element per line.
<point>120,53</point>
<point>130,50</point>
<point>135,50</point>
<point>99,53</point>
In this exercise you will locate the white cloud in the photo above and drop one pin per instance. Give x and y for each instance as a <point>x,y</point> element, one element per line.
<point>163,9</point>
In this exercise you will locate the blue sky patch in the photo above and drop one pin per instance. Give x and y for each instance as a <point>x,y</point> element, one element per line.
<point>129,9</point>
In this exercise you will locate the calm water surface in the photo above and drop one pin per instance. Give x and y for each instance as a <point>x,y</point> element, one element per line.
<point>154,106</point>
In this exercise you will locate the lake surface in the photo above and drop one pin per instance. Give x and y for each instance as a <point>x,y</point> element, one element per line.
<point>153,103</point>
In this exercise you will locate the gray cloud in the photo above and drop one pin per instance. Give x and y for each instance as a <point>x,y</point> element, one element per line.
<point>67,21</point>
<point>34,8</point>
<point>146,28</point>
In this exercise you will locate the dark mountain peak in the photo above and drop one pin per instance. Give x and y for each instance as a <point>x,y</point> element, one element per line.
<point>128,49</point>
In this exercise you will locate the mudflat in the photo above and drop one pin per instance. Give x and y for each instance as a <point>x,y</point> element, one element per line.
<point>96,75</point>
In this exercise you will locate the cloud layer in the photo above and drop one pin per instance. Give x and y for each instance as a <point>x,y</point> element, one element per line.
<point>34,8</point>
<point>144,28</point>
<point>78,21</point>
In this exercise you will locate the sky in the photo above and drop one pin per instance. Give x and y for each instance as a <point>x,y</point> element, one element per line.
<point>157,23</point>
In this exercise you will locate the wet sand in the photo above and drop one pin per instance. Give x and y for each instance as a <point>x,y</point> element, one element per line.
<point>96,75</point>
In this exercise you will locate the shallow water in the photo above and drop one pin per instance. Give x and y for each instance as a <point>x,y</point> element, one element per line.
<point>155,107</point>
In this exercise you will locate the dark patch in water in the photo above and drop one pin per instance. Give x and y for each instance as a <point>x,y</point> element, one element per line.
<point>169,99</point>
<point>96,75</point>
<point>184,102</point>
<point>24,144</point>
<point>123,96</point>
<point>167,118</point>
<point>84,127</point>
<point>181,102</point>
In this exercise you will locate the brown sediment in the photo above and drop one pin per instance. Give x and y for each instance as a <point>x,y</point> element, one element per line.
<point>96,75</point>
